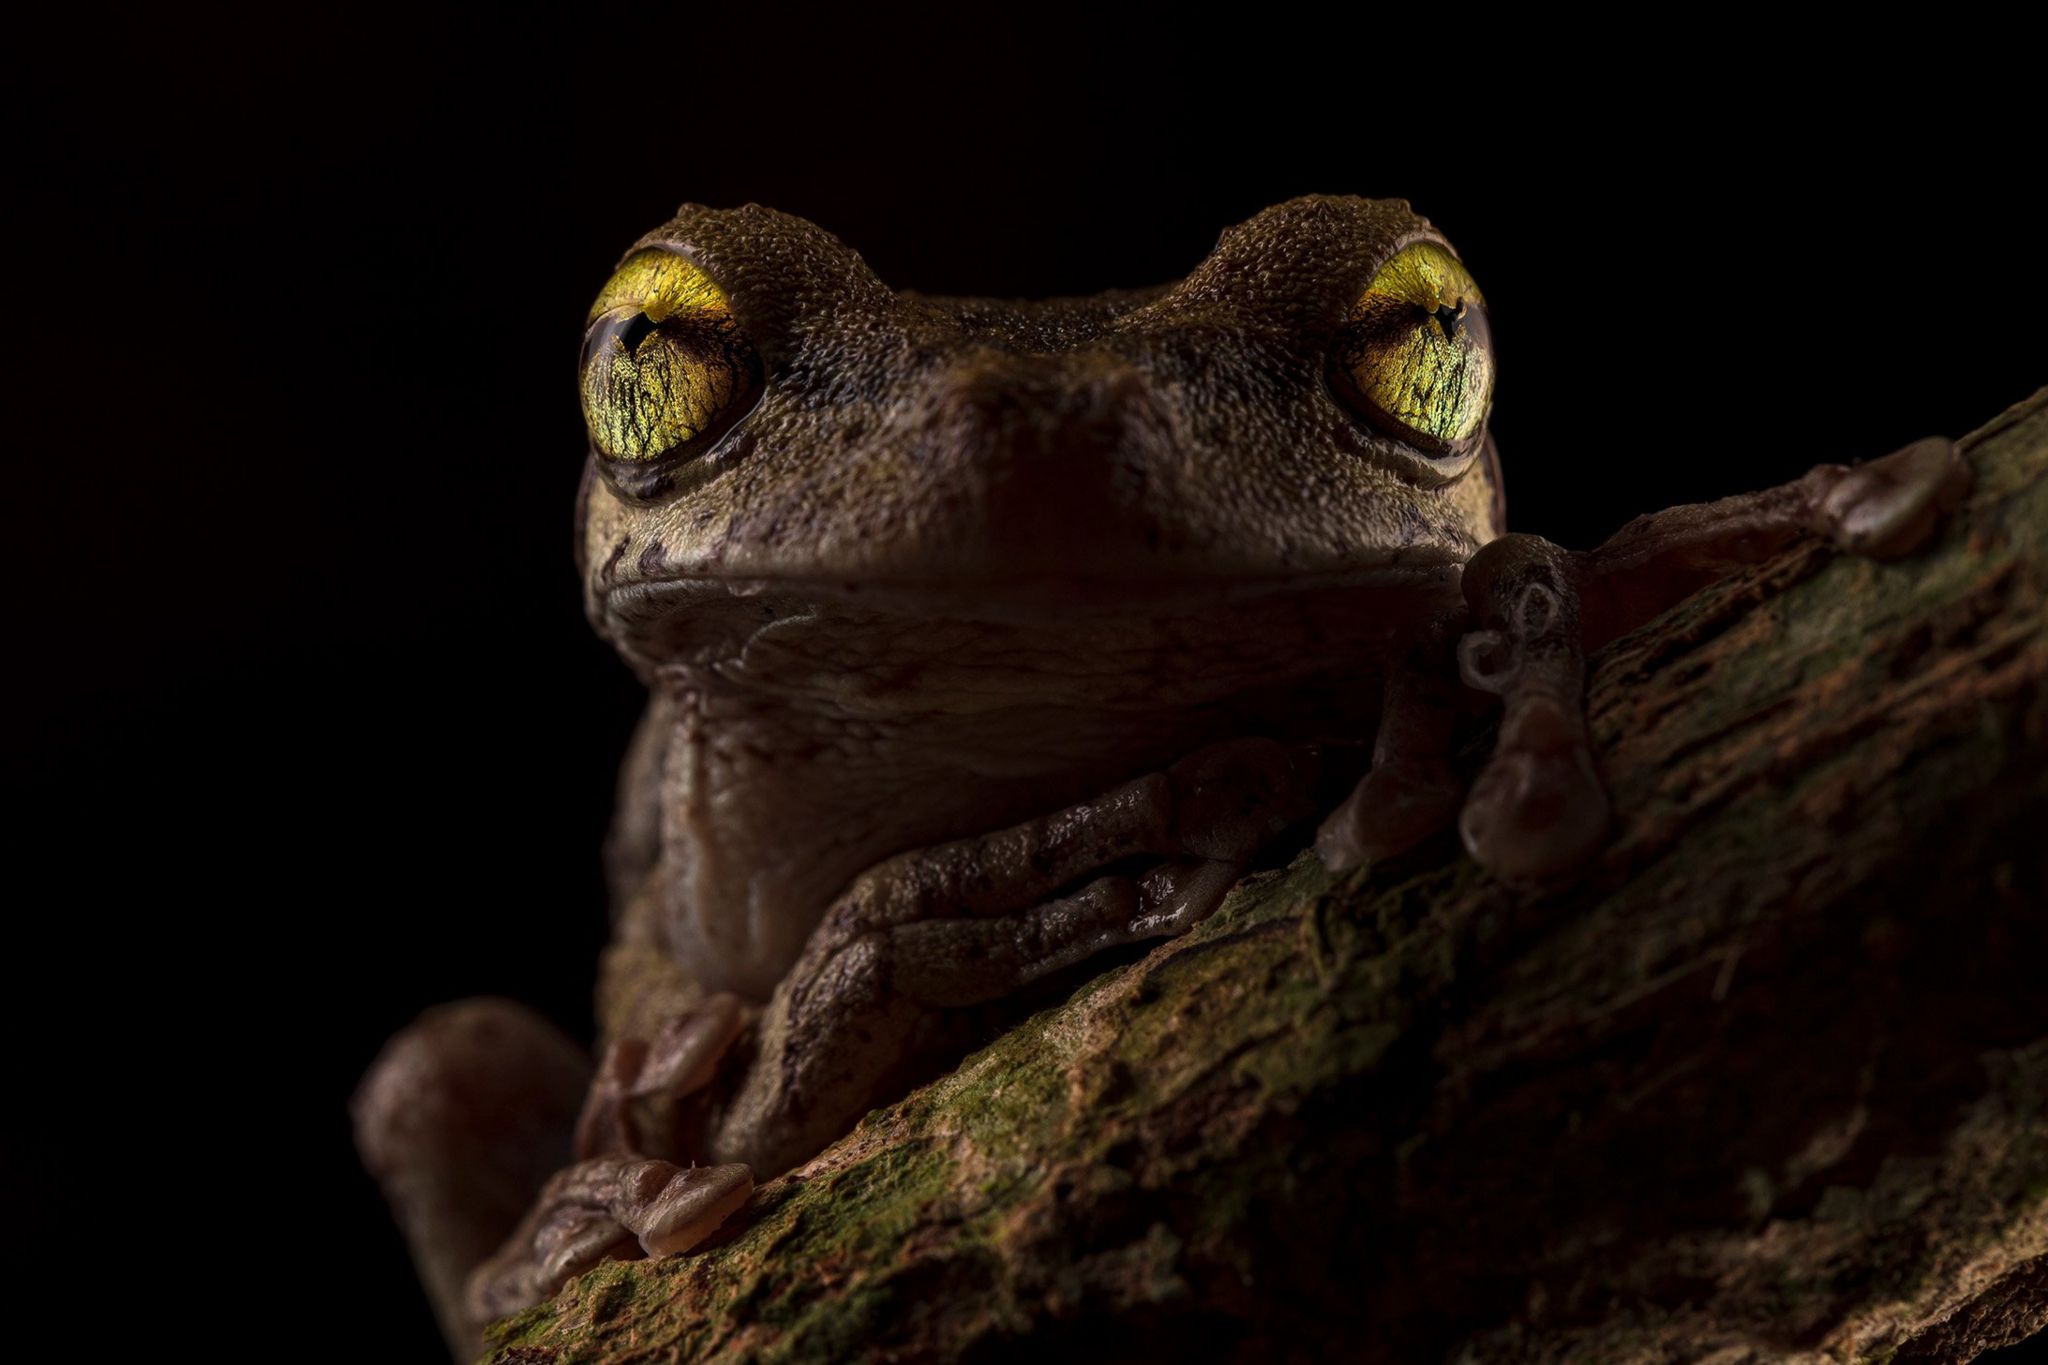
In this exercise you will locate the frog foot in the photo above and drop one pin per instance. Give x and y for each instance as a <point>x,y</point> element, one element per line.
<point>615,1203</point>
<point>635,1105</point>
<point>1538,810</point>
<point>610,1208</point>
<point>885,991</point>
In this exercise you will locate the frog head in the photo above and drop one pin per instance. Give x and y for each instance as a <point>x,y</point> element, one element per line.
<point>1308,405</point>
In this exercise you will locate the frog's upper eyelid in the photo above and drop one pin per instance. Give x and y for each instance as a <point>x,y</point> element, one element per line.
<point>1321,298</point>
<point>1402,243</point>
<point>675,275</point>
<point>780,256</point>
<point>756,296</point>
<point>671,245</point>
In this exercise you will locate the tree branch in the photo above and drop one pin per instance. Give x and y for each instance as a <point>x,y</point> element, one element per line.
<point>1769,1084</point>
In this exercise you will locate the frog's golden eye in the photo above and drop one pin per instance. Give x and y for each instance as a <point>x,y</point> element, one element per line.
<point>666,366</point>
<point>1415,356</point>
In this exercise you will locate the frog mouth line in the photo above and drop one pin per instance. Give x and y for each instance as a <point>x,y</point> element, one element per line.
<point>1032,599</point>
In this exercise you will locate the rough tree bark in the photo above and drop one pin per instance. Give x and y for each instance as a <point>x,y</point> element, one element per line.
<point>1770,1083</point>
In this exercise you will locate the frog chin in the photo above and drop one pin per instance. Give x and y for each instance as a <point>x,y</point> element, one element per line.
<point>816,735</point>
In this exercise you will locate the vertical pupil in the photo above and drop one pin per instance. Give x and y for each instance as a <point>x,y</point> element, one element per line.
<point>1447,318</point>
<point>635,331</point>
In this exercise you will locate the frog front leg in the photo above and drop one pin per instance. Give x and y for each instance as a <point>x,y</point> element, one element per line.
<point>881,996</point>
<point>1538,809</point>
<point>884,991</point>
<point>1411,790</point>
<point>469,1121</point>
<point>620,1200</point>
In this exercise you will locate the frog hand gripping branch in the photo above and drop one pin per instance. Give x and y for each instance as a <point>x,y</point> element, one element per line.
<point>982,637</point>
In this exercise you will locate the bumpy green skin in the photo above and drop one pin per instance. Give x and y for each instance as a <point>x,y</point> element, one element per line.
<point>1769,1083</point>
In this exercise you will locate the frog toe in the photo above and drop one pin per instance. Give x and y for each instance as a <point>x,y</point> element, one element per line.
<point>1888,507</point>
<point>611,1208</point>
<point>688,1207</point>
<point>1538,810</point>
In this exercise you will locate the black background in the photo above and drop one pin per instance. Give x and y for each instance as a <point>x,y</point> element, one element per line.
<point>306,729</point>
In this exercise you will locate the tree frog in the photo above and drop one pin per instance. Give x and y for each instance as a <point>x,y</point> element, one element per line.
<point>983,637</point>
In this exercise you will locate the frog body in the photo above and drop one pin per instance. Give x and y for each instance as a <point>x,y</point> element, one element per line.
<point>983,637</point>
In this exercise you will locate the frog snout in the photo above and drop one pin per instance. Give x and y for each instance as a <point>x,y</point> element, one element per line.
<point>1055,459</point>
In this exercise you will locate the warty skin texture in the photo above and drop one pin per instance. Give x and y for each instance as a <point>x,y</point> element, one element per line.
<point>969,559</point>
